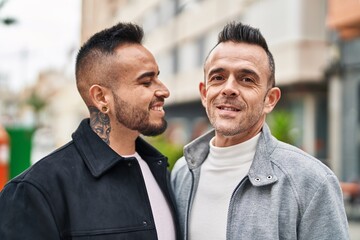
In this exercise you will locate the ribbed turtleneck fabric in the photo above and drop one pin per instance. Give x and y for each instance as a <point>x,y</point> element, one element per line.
<point>222,171</point>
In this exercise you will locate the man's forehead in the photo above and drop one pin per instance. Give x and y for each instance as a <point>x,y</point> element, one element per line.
<point>239,57</point>
<point>236,51</point>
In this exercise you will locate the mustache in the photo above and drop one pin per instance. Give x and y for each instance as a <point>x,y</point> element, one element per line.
<point>156,100</point>
<point>230,101</point>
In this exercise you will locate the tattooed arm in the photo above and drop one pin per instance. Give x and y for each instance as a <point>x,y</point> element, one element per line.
<point>100,124</point>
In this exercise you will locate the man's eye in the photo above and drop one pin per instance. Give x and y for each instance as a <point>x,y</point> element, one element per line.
<point>217,78</point>
<point>246,79</point>
<point>147,84</point>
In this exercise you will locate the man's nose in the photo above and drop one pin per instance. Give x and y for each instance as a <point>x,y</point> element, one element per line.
<point>163,91</point>
<point>230,87</point>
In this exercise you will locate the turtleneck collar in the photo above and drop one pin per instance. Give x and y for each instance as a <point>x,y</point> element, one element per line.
<point>224,156</point>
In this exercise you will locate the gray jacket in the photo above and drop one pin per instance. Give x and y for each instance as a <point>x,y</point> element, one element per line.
<point>287,194</point>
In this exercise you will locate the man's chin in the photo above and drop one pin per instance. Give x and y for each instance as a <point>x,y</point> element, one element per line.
<point>154,130</point>
<point>227,132</point>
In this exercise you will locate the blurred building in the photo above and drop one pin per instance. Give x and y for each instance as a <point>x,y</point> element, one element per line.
<point>344,84</point>
<point>180,33</point>
<point>63,109</point>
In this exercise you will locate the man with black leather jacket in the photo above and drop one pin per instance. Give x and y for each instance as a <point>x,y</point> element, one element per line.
<point>107,183</point>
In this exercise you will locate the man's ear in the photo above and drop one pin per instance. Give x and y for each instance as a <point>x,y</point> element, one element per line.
<point>202,89</point>
<point>271,99</point>
<point>99,96</point>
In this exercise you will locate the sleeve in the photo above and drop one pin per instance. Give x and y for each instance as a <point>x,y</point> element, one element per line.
<point>325,217</point>
<point>25,214</point>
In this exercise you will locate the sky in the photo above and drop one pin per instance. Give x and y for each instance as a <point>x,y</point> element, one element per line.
<point>45,36</point>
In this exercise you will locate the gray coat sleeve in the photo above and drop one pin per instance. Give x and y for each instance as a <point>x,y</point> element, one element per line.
<point>25,214</point>
<point>324,217</point>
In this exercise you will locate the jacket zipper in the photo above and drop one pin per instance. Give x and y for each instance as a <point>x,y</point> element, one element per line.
<point>231,204</point>
<point>186,233</point>
<point>171,201</point>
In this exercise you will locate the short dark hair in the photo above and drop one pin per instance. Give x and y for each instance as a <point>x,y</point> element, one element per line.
<point>238,32</point>
<point>93,61</point>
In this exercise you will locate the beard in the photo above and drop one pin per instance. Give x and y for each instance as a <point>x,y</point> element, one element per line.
<point>137,119</point>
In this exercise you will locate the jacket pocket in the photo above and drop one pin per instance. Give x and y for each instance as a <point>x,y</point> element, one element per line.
<point>138,233</point>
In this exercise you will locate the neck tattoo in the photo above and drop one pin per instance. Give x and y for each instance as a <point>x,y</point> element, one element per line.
<point>100,124</point>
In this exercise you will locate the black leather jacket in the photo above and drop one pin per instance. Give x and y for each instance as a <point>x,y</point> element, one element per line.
<point>84,190</point>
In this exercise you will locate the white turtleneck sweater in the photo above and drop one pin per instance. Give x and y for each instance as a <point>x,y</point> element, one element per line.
<point>220,174</point>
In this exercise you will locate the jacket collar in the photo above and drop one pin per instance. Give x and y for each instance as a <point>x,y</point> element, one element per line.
<point>261,171</point>
<point>99,157</point>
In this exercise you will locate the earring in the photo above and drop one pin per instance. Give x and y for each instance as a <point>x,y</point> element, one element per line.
<point>104,109</point>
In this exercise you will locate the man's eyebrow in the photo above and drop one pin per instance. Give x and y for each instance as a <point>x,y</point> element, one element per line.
<point>216,70</point>
<point>148,74</point>
<point>248,71</point>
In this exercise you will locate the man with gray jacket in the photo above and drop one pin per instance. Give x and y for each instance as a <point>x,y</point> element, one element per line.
<point>238,181</point>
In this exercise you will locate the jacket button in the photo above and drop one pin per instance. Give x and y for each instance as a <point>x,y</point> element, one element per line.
<point>129,164</point>
<point>145,223</point>
<point>159,162</point>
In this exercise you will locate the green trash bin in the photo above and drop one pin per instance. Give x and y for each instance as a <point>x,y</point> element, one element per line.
<point>20,149</point>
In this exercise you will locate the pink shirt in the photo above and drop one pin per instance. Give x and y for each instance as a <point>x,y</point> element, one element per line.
<point>160,208</point>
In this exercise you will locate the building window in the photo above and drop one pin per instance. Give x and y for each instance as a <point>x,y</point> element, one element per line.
<point>321,123</point>
<point>165,62</point>
<point>151,19</point>
<point>187,58</point>
<point>167,11</point>
<point>182,5</point>
<point>200,50</point>
<point>175,60</point>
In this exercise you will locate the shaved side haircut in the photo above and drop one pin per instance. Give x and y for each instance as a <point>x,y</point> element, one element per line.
<point>96,56</point>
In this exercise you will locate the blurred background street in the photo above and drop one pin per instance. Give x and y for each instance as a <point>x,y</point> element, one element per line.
<point>354,230</point>
<point>315,43</point>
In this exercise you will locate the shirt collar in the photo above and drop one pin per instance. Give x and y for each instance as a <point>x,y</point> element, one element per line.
<point>100,157</point>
